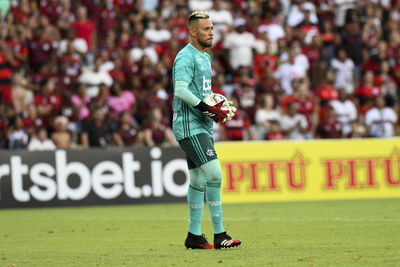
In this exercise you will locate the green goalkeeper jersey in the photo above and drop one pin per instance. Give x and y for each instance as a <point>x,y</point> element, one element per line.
<point>193,67</point>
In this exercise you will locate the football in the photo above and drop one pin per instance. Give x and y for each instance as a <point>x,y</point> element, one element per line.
<point>214,99</point>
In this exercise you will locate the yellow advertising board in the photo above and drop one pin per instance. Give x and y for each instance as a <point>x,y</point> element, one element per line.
<point>309,170</point>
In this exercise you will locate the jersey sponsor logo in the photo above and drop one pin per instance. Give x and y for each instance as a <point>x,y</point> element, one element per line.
<point>206,84</point>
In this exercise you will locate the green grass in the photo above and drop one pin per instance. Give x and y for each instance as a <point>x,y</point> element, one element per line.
<point>331,233</point>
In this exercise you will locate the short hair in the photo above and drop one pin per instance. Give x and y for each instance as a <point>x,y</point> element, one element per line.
<point>196,15</point>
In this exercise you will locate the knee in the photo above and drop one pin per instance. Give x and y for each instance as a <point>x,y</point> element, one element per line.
<point>200,184</point>
<point>214,175</point>
<point>197,179</point>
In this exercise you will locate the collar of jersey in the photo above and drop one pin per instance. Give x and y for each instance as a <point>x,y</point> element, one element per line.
<point>197,50</point>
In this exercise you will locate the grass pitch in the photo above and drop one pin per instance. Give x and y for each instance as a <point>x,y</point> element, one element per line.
<point>331,233</point>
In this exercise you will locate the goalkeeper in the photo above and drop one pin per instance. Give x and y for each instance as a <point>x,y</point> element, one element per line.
<point>193,129</point>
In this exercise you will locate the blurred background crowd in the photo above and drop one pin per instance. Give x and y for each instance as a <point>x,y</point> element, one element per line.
<point>98,73</point>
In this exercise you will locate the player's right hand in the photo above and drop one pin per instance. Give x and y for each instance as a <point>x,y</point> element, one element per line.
<point>214,112</point>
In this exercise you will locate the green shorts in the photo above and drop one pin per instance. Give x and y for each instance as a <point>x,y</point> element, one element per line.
<point>199,149</point>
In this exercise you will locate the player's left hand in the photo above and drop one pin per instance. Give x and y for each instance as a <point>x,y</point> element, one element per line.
<point>231,111</point>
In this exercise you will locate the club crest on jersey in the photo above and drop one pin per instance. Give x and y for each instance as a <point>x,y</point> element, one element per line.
<point>210,152</point>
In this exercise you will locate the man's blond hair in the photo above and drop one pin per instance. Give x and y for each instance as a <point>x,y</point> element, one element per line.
<point>195,16</point>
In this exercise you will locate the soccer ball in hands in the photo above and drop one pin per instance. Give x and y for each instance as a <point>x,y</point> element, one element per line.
<point>214,99</point>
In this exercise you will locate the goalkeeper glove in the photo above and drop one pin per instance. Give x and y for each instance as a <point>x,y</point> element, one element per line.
<point>231,112</point>
<point>213,112</point>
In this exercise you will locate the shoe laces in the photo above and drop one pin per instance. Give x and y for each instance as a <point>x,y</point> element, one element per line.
<point>226,236</point>
<point>223,236</point>
<point>203,239</point>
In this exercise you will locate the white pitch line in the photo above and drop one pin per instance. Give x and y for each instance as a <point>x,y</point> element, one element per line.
<point>272,219</point>
<point>336,219</point>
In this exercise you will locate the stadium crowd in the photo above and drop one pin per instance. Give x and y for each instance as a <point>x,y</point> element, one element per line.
<point>97,73</point>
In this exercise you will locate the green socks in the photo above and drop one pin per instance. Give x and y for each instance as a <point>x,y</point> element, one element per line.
<point>213,196</point>
<point>207,177</point>
<point>195,199</point>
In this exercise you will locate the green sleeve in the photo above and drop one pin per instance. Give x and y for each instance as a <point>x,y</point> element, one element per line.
<point>182,92</point>
<point>183,69</point>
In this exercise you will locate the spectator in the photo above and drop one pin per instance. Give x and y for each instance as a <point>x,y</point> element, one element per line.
<point>273,29</point>
<point>345,112</point>
<point>238,128</point>
<point>380,119</point>
<point>156,131</point>
<point>48,102</point>
<point>352,42</point>
<point>66,17</point>
<point>117,73</point>
<point>308,28</point>
<point>124,7</point>
<point>268,84</point>
<point>32,121</point>
<point>239,45</point>
<point>6,69</point>
<point>371,31</point>
<point>158,34</point>
<point>245,92</point>
<point>61,135</point>
<point>358,130</point>
<point>150,5</point>
<point>329,127</point>
<point>17,45</point>
<point>305,106</point>
<point>144,48</point>
<point>326,92</point>
<point>264,61</point>
<point>70,63</point>
<point>328,39</point>
<point>380,55</point>
<point>41,49</point>
<point>80,103</point>
<point>367,92</point>
<point>297,13</point>
<point>19,94</point>
<point>344,71</point>
<point>300,59</point>
<point>289,71</point>
<point>219,85</point>
<point>128,133</point>
<point>40,141</point>
<point>385,82</point>
<point>85,28</point>
<point>22,11</point>
<point>107,19</point>
<point>120,100</point>
<point>97,132</point>
<point>79,44</point>
<point>102,99</point>
<point>393,47</point>
<point>18,136</point>
<point>94,78</point>
<point>275,132</point>
<point>293,124</point>
<point>221,17</point>
<point>265,114</point>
